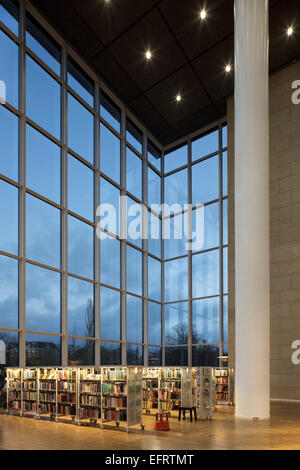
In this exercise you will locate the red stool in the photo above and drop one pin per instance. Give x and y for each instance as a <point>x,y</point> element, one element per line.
<point>162,421</point>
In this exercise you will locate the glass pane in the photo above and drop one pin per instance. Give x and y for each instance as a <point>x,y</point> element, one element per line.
<point>154,279</point>
<point>154,155</point>
<point>154,235</point>
<point>134,136</point>
<point>80,248</point>
<point>176,280</point>
<point>81,315</point>
<point>80,129</point>
<point>81,83</point>
<point>42,165</point>
<point>134,319</point>
<point>80,189</point>
<point>9,306</point>
<point>42,299</point>
<point>154,357</point>
<point>154,323</point>
<point>110,112</point>
<point>134,180</point>
<point>205,181</point>
<point>225,270</point>
<point>205,145</point>
<point>110,200</point>
<point>176,159</point>
<point>205,356</point>
<point>81,352</point>
<point>206,324</point>
<point>110,154</point>
<point>9,144</point>
<point>110,314</point>
<point>134,355</point>
<point>11,340</point>
<point>225,222</point>
<point>224,136</point>
<point>177,356</point>
<point>176,323</point>
<point>43,45</point>
<point>9,15</point>
<point>206,274</point>
<point>43,350</point>
<point>210,235</point>
<point>134,222</point>
<point>42,239</point>
<point>154,189</point>
<point>176,189</point>
<point>9,57</point>
<point>174,235</point>
<point>225,319</point>
<point>9,218</point>
<point>225,174</point>
<point>42,92</point>
<point>134,266</point>
<point>110,354</point>
<point>110,262</point>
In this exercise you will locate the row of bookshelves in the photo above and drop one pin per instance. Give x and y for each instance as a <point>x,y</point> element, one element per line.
<point>98,396</point>
<point>166,388</point>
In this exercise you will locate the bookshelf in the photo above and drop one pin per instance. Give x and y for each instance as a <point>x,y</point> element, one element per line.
<point>66,401</point>
<point>224,379</point>
<point>14,391</point>
<point>170,389</point>
<point>89,391</point>
<point>150,389</point>
<point>47,393</point>
<point>30,392</point>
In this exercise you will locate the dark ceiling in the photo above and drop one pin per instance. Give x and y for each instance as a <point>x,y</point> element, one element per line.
<point>189,55</point>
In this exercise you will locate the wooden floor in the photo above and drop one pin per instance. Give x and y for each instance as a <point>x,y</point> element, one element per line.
<point>224,432</point>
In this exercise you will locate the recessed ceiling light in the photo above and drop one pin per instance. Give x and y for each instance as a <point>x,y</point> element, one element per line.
<point>228,68</point>
<point>178,98</point>
<point>290,31</point>
<point>203,14</point>
<point>148,55</point>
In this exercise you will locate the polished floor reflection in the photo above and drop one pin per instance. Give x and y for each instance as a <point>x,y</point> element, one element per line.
<point>223,433</point>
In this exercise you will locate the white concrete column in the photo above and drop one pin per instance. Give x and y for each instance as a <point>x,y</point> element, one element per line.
<point>252,277</point>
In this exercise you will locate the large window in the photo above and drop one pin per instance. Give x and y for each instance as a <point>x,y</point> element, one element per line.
<point>196,287</point>
<point>81,291</point>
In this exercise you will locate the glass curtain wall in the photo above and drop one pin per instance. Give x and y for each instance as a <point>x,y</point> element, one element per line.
<point>196,280</point>
<point>74,289</point>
